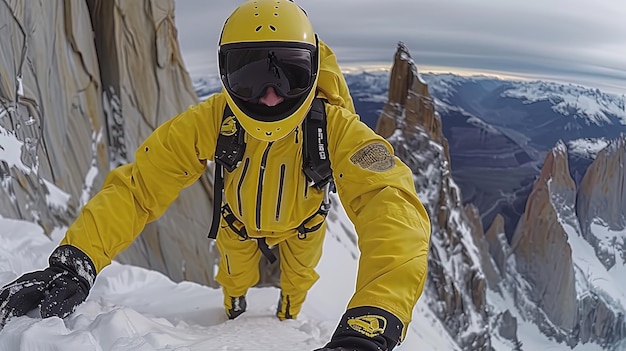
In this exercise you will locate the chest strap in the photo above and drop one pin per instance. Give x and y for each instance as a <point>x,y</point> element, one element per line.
<point>240,229</point>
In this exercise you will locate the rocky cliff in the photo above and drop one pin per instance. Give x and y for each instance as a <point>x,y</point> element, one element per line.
<point>456,286</point>
<point>602,204</point>
<point>571,292</point>
<point>478,283</point>
<point>82,84</point>
<point>542,253</point>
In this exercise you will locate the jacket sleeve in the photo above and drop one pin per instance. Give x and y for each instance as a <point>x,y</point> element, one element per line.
<point>173,157</point>
<point>377,191</point>
<point>331,83</point>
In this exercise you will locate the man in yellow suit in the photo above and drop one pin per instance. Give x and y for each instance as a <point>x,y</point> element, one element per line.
<point>272,67</point>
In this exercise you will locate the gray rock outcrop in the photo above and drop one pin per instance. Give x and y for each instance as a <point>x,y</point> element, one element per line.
<point>499,248</point>
<point>83,83</point>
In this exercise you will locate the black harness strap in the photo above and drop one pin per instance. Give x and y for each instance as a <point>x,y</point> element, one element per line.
<point>229,152</point>
<point>233,222</point>
<point>302,228</point>
<point>218,186</point>
<point>316,165</point>
<point>231,143</point>
<point>265,250</point>
<point>239,229</point>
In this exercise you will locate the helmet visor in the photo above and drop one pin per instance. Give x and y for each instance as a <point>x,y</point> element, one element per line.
<point>250,71</point>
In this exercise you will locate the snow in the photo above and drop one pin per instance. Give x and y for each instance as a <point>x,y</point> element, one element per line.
<point>20,85</point>
<point>132,308</point>
<point>593,105</point>
<point>609,282</point>
<point>559,148</point>
<point>527,332</point>
<point>11,148</point>
<point>591,275</point>
<point>56,198</point>
<point>587,147</point>
<point>92,173</point>
<point>574,101</point>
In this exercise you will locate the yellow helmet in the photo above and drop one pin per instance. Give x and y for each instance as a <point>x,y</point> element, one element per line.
<point>269,43</point>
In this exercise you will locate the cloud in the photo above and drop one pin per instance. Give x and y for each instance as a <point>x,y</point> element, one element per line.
<point>572,38</point>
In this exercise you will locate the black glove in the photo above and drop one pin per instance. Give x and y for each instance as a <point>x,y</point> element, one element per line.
<point>366,329</point>
<point>57,289</point>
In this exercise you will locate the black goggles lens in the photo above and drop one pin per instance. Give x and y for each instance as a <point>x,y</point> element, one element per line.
<point>250,71</point>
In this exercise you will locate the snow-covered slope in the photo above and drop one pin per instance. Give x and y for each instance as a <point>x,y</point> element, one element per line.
<point>131,308</point>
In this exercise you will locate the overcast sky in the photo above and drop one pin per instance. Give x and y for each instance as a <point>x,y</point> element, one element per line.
<point>579,41</point>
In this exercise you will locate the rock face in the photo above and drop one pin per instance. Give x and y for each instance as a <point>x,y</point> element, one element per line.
<point>409,107</point>
<point>549,283</point>
<point>456,285</point>
<point>507,326</point>
<point>542,253</point>
<point>50,103</point>
<point>83,83</point>
<point>499,248</point>
<point>602,200</point>
<point>570,307</point>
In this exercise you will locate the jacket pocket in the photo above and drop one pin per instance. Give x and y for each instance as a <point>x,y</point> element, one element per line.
<point>281,187</point>
<point>239,185</point>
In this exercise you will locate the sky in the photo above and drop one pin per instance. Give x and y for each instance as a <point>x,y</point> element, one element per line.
<point>576,41</point>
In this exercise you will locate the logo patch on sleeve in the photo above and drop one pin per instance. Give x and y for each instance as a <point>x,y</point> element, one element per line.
<point>374,157</point>
<point>369,325</point>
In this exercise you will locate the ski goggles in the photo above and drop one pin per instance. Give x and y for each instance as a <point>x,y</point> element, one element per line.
<point>248,72</point>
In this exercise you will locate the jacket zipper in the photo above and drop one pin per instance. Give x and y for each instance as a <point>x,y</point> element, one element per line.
<point>260,186</point>
<point>243,175</point>
<point>280,190</point>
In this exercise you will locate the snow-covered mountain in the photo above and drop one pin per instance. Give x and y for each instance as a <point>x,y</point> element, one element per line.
<point>592,106</point>
<point>552,284</point>
<point>132,308</point>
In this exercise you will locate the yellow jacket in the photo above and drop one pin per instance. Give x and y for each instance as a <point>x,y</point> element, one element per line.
<point>375,187</point>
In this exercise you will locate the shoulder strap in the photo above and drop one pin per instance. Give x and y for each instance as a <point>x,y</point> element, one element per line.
<point>316,164</point>
<point>229,151</point>
<point>230,145</point>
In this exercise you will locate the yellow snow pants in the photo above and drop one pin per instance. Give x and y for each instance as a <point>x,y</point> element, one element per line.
<point>239,267</point>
